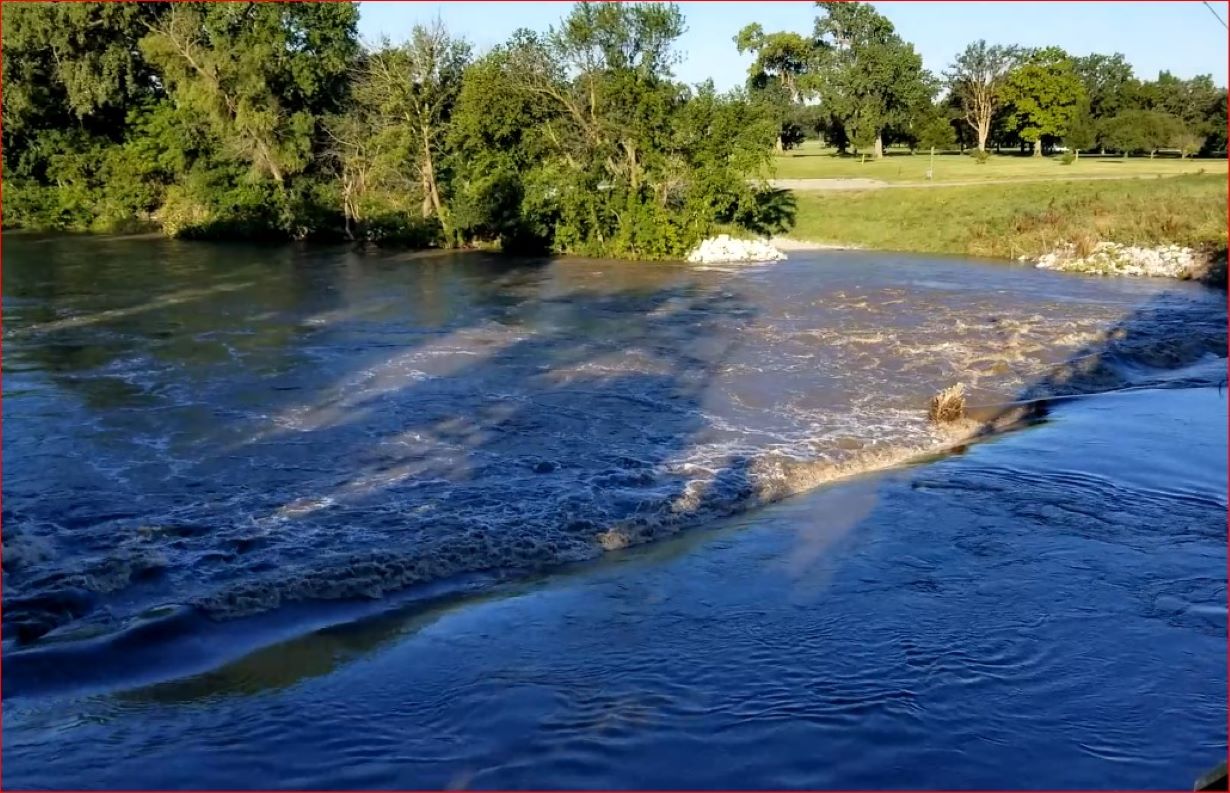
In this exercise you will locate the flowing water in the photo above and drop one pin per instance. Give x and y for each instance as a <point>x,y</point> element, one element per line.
<point>213,452</point>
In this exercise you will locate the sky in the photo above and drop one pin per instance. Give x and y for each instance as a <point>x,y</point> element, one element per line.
<point>1182,37</point>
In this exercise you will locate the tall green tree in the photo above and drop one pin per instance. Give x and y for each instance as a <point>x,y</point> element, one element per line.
<point>934,130</point>
<point>74,63</point>
<point>866,74</point>
<point>407,94</point>
<point>75,85</point>
<point>581,140</point>
<point>1109,83</point>
<point>1082,133</point>
<point>500,134</point>
<point>976,79</point>
<point>1142,131</point>
<point>779,74</point>
<point>1044,95</point>
<point>784,57</point>
<point>1215,139</point>
<point>1197,103</point>
<point>260,74</point>
<point>1192,101</point>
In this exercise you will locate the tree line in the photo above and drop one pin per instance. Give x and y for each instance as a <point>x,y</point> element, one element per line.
<point>250,120</point>
<point>271,120</point>
<point>856,83</point>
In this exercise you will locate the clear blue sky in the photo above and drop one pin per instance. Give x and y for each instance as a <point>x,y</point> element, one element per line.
<point>1182,36</point>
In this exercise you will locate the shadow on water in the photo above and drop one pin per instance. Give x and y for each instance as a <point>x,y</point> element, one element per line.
<point>512,421</point>
<point>1154,346</point>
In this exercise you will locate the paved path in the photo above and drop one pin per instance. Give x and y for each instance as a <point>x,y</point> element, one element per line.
<point>826,185</point>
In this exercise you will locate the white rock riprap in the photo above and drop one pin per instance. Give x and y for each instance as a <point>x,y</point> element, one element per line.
<point>723,249</point>
<point>1111,258</point>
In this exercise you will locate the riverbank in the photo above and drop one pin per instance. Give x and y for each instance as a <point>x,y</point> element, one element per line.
<point>1041,601</point>
<point>1022,220</point>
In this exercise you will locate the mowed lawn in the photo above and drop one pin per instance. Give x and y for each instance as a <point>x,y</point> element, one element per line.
<point>813,162</point>
<point>1023,219</point>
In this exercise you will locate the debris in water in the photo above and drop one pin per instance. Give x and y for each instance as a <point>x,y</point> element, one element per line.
<point>948,405</point>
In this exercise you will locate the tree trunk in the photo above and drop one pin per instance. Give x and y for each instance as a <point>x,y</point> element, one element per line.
<point>270,163</point>
<point>431,193</point>
<point>879,150</point>
<point>778,146</point>
<point>984,130</point>
<point>1038,147</point>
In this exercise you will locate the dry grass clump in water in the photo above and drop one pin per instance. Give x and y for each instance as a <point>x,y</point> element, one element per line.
<point>948,405</point>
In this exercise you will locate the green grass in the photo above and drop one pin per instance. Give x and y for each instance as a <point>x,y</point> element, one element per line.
<point>813,162</point>
<point>1025,219</point>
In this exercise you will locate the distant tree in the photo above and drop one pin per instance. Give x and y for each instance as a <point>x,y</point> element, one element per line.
<point>810,118</point>
<point>835,134</point>
<point>1141,131</point>
<point>1082,133</point>
<point>782,57</point>
<point>1215,140</point>
<point>1189,100</point>
<point>1109,83</point>
<point>1187,142</point>
<point>866,75</point>
<point>779,74</point>
<point>1044,95</point>
<point>976,80</point>
<point>935,131</point>
<point>1197,103</point>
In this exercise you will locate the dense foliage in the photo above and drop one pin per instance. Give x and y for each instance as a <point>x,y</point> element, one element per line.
<point>860,86</point>
<point>269,119</point>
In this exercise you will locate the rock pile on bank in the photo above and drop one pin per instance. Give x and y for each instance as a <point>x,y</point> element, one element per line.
<point>1111,258</point>
<point>723,249</point>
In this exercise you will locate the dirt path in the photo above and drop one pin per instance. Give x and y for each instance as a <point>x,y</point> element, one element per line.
<point>830,185</point>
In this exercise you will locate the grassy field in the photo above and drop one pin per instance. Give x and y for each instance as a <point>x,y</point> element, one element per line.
<point>813,162</point>
<point>1025,219</point>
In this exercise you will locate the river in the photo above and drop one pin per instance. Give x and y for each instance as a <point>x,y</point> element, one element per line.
<point>303,517</point>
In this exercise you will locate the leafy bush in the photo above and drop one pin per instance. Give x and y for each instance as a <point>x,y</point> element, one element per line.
<point>402,230</point>
<point>1068,158</point>
<point>980,156</point>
